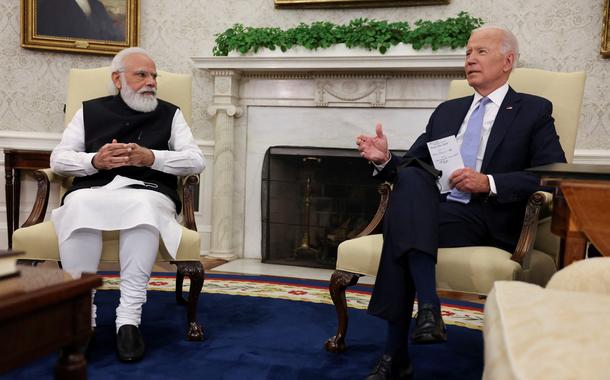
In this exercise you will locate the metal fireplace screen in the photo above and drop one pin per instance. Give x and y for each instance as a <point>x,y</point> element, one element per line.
<point>312,200</point>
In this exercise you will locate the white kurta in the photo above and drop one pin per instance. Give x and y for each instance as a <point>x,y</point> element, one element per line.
<point>115,206</point>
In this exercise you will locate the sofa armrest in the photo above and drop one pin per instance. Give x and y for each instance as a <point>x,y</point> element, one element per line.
<point>589,275</point>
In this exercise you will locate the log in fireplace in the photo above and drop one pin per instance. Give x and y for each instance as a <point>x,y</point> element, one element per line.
<point>313,199</point>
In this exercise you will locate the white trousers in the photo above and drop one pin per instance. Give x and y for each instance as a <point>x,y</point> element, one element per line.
<point>138,246</point>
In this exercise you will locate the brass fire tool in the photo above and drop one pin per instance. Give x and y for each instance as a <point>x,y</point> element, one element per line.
<point>305,249</point>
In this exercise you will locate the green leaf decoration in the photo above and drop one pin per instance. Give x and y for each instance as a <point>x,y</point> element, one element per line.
<point>361,32</point>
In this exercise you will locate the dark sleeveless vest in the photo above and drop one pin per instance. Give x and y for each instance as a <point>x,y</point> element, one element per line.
<point>110,118</point>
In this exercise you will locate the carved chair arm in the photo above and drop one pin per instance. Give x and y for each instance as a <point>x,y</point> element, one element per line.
<point>384,191</point>
<point>189,191</point>
<point>43,177</point>
<point>536,203</point>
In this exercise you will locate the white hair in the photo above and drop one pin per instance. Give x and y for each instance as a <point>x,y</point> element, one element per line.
<point>118,62</point>
<point>509,41</point>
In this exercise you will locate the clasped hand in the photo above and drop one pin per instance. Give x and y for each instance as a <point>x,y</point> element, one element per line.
<point>115,154</point>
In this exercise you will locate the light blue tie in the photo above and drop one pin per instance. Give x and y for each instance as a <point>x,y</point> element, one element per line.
<point>470,147</point>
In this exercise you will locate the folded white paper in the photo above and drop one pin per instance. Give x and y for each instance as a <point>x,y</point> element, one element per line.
<point>446,157</point>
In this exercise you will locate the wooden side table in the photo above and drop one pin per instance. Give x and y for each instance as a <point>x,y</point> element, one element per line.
<point>581,207</point>
<point>44,310</point>
<point>16,160</point>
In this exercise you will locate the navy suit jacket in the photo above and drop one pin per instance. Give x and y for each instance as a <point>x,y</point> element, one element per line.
<point>523,135</point>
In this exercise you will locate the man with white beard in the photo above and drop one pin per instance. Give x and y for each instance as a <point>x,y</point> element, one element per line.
<point>125,152</point>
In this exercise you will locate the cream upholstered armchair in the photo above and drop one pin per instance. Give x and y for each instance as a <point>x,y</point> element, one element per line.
<point>37,238</point>
<point>475,269</point>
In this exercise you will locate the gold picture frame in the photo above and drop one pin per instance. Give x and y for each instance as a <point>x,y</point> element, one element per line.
<point>97,27</point>
<point>605,49</point>
<point>353,3</point>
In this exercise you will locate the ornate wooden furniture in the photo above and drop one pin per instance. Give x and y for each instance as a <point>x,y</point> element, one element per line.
<point>44,310</point>
<point>581,207</point>
<point>38,239</point>
<point>475,269</point>
<point>16,160</point>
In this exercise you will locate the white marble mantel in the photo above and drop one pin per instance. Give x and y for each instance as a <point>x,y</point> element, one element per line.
<point>425,62</point>
<point>260,101</point>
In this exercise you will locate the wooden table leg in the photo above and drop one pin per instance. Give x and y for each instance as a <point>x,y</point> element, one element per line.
<point>572,248</point>
<point>71,364</point>
<point>16,200</point>
<point>8,188</point>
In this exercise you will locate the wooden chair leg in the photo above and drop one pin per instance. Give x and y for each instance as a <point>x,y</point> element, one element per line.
<point>339,281</point>
<point>194,270</point>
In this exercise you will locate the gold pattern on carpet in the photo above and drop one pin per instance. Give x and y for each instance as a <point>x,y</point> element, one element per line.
<point>452,314</point>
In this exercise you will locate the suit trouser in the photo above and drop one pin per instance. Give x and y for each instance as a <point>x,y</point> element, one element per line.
<point>138,247</point>
<point>418,218</point>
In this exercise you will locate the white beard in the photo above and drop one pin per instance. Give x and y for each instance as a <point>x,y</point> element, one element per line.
<point>135,100</point>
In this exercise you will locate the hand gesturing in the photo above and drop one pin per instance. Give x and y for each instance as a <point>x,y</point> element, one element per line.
<point>374,148</point>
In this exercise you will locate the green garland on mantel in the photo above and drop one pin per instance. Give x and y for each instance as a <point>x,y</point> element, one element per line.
<point>361,32</point>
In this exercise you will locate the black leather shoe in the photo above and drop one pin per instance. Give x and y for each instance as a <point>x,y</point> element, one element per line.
<point>386,370</point>
<point>129,344</point>
<point>429,325</point>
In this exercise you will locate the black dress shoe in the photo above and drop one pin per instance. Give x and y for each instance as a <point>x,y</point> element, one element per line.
<point>387,370</point>
<point>129,344</point>
<point>429,325</point>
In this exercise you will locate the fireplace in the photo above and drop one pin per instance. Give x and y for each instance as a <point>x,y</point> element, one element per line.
<point>312,199</point>
<point>322,101</point>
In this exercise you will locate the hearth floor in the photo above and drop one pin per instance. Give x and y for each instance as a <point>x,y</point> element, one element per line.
<point>255,267</point>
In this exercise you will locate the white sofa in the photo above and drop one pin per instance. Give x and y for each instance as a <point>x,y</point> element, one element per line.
<point>558,332</point>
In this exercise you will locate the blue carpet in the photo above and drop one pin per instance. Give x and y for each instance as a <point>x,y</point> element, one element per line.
<point>258,338</point>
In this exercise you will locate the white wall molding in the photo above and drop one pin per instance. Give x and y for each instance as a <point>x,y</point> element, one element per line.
<point>29,140</point>
<point>592,156</point>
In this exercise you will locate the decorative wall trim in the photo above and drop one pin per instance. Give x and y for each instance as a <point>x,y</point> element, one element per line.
<point>350,75</point>
<point>369,92</point>
<point>592,156</point>
<point>435,61</point>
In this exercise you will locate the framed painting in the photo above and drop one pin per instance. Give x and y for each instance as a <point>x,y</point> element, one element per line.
<point>80,26</point>
<point>605,50</point>
<point>353,3</point>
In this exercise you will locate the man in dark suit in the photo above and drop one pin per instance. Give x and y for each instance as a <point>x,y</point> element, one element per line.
<point>500,133</point>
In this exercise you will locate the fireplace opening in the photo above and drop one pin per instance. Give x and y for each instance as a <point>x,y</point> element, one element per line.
<point>313,199</point>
